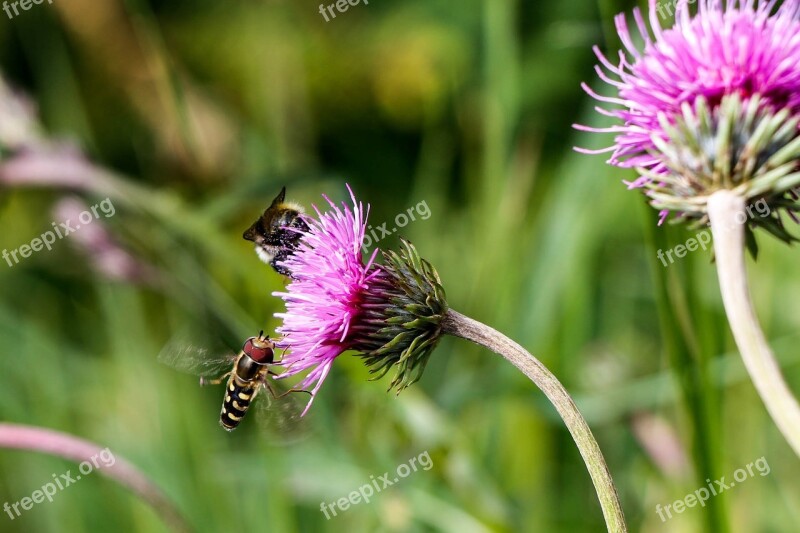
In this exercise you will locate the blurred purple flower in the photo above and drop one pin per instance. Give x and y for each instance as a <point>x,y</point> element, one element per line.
<point>27,158</point>
<point>105,255</point>
<point>55,166</point>
<point>661,442</point>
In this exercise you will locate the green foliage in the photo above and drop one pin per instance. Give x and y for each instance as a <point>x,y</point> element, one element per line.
<point>203,110</point>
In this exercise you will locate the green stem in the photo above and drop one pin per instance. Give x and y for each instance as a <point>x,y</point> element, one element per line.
<point>462,326</point>
<point>726,210</point>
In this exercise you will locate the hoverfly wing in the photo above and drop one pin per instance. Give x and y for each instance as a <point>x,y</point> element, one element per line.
<point>279,417</point>
<point>185,355</point>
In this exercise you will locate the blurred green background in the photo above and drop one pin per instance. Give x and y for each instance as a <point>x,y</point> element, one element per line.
<point>194,114</point>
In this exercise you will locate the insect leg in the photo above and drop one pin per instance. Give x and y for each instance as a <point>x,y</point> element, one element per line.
<point>290,391</point>
<point>283,354</point>
<point>204,381</point>
<point>295,390</point>
<point>277,396</point>
<point>279,257</point>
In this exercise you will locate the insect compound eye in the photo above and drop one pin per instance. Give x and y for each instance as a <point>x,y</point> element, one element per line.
<point>258,350</point>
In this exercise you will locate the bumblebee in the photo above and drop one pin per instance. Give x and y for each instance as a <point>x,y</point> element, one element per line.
<point>276,232</point>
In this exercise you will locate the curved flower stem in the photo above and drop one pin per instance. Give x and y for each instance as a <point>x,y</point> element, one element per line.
<point>20,437</point>
<point>726,211</point>
<point>462,326</point>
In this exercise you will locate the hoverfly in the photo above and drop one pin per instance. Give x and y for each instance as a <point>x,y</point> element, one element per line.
<point>245,375</point>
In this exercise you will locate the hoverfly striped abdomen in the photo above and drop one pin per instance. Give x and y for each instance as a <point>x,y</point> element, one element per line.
<point>237,402</point>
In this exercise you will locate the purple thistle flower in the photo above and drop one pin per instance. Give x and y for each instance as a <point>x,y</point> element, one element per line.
<point>337,302</point>
<point>394,314</point>
<point>329,279</point>
<point>707,103</point>
<point>709,117</point>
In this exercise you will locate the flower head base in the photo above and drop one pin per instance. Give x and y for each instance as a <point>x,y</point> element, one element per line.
<point>741,146</point>
<point>337,302</point>
<point>727,79</point>
<point>409,303</point>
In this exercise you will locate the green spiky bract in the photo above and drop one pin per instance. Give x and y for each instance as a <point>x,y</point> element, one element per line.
<point>407,303</point>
